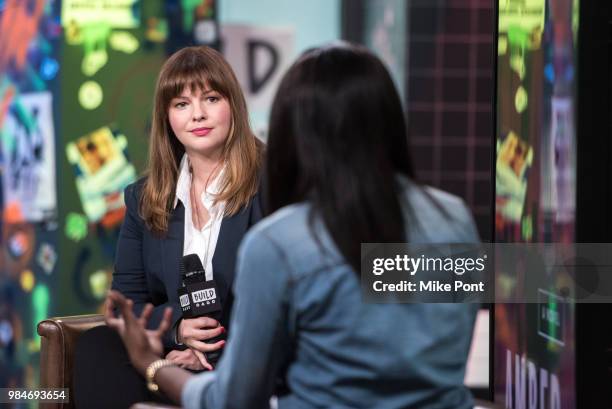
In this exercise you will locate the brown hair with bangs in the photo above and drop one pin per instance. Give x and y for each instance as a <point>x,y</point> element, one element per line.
<point>198,67</point>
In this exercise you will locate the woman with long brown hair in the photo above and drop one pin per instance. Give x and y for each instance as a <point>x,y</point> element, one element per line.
<point>339,174</point>
<point>199,196</point>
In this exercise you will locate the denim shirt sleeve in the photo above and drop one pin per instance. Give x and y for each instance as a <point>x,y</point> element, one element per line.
<point>258,343</point>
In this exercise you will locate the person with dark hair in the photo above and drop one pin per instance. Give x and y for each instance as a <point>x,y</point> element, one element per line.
<point>338,174</point>
<point>199,197</point>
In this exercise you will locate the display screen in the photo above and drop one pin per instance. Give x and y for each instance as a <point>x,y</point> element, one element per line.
<point>534,359</point>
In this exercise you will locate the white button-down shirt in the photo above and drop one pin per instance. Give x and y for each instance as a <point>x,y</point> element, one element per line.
<point>198,241</point>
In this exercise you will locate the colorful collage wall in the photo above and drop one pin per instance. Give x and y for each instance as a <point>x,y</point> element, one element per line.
<point>76,86</point>
<point>536,194</point>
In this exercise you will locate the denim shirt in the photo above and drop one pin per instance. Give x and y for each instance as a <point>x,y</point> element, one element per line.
<point>299,314</point>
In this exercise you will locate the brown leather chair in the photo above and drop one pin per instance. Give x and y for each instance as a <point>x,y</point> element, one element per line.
<point>58,340</point>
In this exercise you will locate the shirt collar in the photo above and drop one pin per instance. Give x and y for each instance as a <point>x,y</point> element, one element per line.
<point>184,184</point>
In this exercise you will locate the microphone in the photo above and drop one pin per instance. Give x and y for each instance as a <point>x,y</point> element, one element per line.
<point>199,298</point>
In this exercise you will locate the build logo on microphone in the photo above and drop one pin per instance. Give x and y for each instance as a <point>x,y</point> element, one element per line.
<point>206,296</point>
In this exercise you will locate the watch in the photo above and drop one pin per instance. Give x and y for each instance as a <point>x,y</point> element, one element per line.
<point>152,370</point>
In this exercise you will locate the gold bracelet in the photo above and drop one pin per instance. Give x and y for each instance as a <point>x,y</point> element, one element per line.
<point>152,370</point>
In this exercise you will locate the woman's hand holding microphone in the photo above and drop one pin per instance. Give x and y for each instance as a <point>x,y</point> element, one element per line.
<point>192,332</point>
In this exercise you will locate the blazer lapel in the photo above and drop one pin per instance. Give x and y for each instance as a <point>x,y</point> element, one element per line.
<point>172,251</point>
<point>232,231</point>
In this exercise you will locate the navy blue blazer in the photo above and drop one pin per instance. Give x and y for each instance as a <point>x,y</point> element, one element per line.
<point>147,265</point>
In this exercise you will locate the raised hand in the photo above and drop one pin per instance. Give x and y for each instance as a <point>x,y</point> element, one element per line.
<point>143,345</point>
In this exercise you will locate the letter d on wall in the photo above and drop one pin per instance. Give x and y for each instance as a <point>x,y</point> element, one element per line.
<point>255,81</point>
<point>259,56</point>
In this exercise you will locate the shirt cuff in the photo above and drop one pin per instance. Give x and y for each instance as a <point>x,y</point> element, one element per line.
<point>191,396</point>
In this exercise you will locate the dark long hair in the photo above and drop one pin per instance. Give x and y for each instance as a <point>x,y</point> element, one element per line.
<point>338,139</point>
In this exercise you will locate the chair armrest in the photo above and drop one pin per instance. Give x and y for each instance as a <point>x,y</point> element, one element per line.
<point>151,405</point>
<point>58,340</point>
<point>485,404</point>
